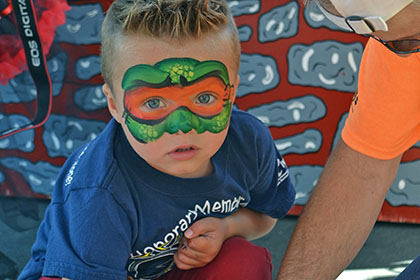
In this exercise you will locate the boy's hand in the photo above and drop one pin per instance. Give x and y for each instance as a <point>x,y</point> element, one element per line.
<point>201,243</point>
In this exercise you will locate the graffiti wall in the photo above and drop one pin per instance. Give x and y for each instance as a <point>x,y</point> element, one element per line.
<point>298,75</point>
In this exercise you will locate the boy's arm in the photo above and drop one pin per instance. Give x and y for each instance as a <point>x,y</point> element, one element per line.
<point>204,239</point>
<point>248,224</point>
<point>339,215</point>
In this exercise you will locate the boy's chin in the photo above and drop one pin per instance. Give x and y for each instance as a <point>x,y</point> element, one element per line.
<point>192,172</point>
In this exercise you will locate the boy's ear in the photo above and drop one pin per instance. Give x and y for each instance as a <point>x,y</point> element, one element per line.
<point>235,88</point>
<point>112,106</point>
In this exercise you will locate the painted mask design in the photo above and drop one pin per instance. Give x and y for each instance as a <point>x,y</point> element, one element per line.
<point>176,94</point>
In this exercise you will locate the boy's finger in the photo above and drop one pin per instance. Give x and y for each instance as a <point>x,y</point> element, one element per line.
<point>200,243</point>
<point>185,262</point>
<point>191,252</point>
<point>200,227</point>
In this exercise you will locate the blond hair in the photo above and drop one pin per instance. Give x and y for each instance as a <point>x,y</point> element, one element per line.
<point>173,19</point>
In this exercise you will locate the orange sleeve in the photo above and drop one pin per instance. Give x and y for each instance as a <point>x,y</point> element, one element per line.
<point>384,118</point>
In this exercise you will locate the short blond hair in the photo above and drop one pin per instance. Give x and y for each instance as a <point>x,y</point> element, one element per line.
<point>173,19</point>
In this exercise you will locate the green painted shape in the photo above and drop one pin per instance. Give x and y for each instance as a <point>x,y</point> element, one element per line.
<point>175,68</point>
<point>143,73</point>
<point>180,120</point>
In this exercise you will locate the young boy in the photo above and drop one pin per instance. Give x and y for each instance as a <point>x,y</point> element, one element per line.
<point>176,174</point>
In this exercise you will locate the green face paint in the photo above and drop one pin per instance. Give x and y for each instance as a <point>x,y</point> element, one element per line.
<point>178,80</point>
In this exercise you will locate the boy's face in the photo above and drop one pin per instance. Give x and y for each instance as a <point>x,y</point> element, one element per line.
<point>173,100</point>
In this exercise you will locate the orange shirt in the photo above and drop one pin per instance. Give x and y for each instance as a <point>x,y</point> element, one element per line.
<point>384,118</point>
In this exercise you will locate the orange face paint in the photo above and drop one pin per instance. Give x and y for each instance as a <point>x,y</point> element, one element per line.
<point>177,96</point>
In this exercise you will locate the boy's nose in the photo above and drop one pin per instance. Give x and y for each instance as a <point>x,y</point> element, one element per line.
<point>182,120</point>
<point>185,124</point>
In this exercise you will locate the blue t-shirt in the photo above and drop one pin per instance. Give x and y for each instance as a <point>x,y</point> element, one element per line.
<point>112,215</point>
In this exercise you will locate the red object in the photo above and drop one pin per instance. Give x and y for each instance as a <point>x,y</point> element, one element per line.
<point>12,54</point>
<point>6,11</point>
<point>238,259</point>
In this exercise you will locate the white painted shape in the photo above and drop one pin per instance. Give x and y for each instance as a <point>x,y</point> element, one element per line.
<point>296,104</point>
<point>280,28</point>
<point>92,13</point>
<point>292,13</point>
<point>310,145</point>
<point>316,17</point>
<point>325,80</point>
<point>284,145</point>
<point>270,24</point>
<point>269,75</point>
<point>305,59</point>
<point>251,77</point>
<point>76,125</point>
<point>401,184</point>
<point>69,144</point>
<point>73,28</point>
<point>335,58</point>
<point>300,195</point>
<point>264,119</point>
<point>34,179</point>
<point>233,3</point>
<point>4,143</point>
<point>254,8</point>
<point>352,62</point>
<point>54,65</point>
<point>99,93</point>
<point>55,141</point>
<point>85,63</point>
<point>28,145</point>
<point>296,114</point>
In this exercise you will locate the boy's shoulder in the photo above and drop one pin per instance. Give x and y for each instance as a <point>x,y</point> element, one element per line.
<point>248,138</point>
<point>91,165</point>
<point>248,127</point>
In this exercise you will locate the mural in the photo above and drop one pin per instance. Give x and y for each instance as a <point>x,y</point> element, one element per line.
<point>298,75</point>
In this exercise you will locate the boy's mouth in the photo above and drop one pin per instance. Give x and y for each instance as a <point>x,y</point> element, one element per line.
<point>183,152</point>
<point>184,149</point>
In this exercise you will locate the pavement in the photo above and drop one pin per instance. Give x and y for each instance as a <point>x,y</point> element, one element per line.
<point>388,250</point>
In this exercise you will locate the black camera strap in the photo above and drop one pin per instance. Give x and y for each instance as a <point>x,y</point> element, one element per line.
<point>35,57</point>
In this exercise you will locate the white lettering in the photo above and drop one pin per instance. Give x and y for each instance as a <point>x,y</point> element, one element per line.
<point>28,32</point>
<point>158,245</point>
<point>203,209</point>
<point>172,238</point>
<point>216,207</point>
<point>227,206</point>
<point>175,230</point>
<point>184,225</point>
<point>26,20</point>
<point>169,237</point>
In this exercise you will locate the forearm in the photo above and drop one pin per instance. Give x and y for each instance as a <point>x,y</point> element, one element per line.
<point>248,224</point>
<point>339,216</point>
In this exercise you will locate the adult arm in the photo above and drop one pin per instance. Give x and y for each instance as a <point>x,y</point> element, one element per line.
<point>204,239</point>
<point>339,215</point>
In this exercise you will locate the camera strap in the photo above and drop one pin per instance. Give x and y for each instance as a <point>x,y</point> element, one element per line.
<point>35,57</point>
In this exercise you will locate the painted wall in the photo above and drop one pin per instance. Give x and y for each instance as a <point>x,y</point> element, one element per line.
<point>298,75</point>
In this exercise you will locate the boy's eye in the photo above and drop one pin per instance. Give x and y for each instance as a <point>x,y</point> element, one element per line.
<point>205,99</point>
<point>154,104</point>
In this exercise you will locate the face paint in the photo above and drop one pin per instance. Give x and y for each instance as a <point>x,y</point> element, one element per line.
<point>177,94</point>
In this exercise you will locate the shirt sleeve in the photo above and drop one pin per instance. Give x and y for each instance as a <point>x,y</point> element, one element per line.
<point>273,193</point>
<point>90,237</point>
<point>384,119</point>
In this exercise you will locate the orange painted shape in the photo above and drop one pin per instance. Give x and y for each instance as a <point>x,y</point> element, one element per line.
<point>177,96</point>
